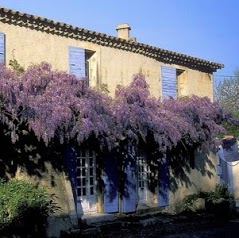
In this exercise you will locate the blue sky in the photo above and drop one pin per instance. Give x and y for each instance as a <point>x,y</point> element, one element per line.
<point>206,29</point>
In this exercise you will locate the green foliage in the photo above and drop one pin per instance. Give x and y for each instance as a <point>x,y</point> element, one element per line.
<point>23,206</point>
<point>227,94</point>
<point>231,129</point>
<point>220,193</point>
<point>16,66</point>
<point>190,199</point>
<point>104,88</point>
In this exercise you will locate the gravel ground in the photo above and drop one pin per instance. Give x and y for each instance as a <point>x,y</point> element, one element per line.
<point>165,226</point>
<point>195,228</point>
<point>227,230</point>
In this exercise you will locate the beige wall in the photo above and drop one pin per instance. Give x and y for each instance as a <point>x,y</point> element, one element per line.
<point>233,176</point>
<point>108,66</point>
<point>31,46</point>
<point>55,182</point>
<point>202,178</point>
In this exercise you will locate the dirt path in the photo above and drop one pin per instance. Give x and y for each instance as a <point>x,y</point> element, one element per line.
<point>184,230</point>
<point>228,230</point>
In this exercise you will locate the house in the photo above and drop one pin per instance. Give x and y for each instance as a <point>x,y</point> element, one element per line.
<point>107,61</point>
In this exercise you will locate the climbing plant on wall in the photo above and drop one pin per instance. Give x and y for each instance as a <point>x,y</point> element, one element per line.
<point>56,105</point>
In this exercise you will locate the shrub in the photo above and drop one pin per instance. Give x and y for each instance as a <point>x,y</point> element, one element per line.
<point>217,201</point>
<point>23,207</point>
<point>190,200</point>
<point>221,203</point>
<point>221,191</point>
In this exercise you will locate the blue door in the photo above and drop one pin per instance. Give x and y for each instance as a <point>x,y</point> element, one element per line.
<point>110,178</point>
<point>129,194</point>
<point>163,183</point>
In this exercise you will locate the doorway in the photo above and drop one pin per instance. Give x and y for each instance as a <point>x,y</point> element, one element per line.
<point>143,178</point>
<point>86,181</point>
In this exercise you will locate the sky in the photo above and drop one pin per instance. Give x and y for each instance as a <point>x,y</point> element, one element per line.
<point>207,29</point>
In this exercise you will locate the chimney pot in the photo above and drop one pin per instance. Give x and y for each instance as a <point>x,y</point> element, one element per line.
<point>123,31</point>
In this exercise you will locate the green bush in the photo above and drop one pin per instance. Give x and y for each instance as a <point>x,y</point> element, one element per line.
<point>218,200</point>
<point>221,191</point>
<point>23,207</point>
<point>221,203</point>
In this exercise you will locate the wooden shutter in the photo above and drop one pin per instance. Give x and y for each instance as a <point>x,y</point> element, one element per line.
<point>129,197</point>
<point>70,161</point>
<point>77,61</point>
<point>2,47</point>
<point>163,183</point>
<point>169,82</point>
<point>110,178</point>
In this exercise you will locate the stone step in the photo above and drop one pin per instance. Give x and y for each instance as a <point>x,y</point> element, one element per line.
<point>90,219</point>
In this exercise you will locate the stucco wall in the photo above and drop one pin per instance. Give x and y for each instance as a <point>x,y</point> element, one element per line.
<point>108,65</point>
<point>55,182</point>
<point>57,185</point>
<point>233,172</point>
<point>203,177</point>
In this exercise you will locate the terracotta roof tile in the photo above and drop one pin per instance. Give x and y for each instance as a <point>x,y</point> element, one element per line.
<point>166,56</point>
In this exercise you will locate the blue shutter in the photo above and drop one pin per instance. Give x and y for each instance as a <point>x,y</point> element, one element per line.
<point>129,196</point>
<point>70,161</point>
<point>163,183</point>
<point>77,61</point>
<point>2,47</point>
<point>110,178</point>
<point>169,82</point>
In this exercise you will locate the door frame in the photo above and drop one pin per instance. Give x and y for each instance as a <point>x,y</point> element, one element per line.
<point>86,181</point>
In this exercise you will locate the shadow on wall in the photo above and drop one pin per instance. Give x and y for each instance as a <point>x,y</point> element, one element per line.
<point>30,155</point>
<point>185,161</point>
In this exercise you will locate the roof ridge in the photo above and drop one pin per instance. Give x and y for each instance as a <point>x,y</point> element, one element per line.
<point>155,52</point>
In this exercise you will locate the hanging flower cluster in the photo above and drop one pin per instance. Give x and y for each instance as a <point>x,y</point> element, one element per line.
<point>55,104</point>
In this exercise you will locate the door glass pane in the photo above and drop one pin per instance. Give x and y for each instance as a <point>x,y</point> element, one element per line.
<point>91,171</point>
<point>83,172</point>
<point>83,182</point>
<point>78,172</point>
<point>83,162</point>
<point>91,162</point>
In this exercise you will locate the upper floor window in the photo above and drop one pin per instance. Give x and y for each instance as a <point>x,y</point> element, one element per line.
<point>2,48</point>
<point>171,82</point>
<point>79,62</point>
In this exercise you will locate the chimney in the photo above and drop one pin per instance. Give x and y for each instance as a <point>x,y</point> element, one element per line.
<point>124,31</point>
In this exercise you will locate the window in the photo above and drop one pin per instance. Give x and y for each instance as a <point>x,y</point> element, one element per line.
<point>169,82</point>
<point>171,86</point>
<point>2,48</point>
<point>79,62</point>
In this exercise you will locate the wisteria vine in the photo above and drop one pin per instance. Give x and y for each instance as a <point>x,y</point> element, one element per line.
<point>57,105</point>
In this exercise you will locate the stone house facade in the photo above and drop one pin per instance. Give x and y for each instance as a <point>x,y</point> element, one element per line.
<point>108,61</point>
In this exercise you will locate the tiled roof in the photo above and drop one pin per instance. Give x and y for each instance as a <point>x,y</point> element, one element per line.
<point>43,24</point>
